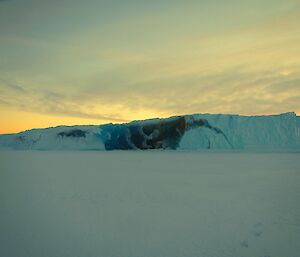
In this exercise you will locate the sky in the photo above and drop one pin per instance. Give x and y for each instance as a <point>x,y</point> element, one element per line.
<point>68,62</point>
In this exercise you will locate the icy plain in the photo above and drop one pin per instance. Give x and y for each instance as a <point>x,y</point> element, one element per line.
<point>149,204</point>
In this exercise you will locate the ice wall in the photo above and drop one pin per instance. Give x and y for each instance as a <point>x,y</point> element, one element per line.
<point>244,132</point>
<point>186,132</point>
<point>58,138</point>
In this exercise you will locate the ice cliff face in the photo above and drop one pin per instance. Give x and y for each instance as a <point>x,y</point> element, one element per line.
<point>58,138</point>
<point>188,132</point>
<point>245,132</point>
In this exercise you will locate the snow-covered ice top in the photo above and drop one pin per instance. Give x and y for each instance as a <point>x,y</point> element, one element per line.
<point>186,132</point>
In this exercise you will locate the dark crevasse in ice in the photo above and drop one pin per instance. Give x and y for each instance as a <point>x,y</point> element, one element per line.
<point>197,123</point>
<point>150,134</point>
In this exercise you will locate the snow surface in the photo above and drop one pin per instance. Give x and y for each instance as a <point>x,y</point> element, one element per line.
<point>154,203</point>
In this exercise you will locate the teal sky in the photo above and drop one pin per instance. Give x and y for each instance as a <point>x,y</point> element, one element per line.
<point>80,62</point>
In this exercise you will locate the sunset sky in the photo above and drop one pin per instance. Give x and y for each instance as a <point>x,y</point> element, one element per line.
<point>67,62</point>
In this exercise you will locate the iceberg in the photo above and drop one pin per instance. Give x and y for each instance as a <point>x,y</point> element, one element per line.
<point>185,132</point>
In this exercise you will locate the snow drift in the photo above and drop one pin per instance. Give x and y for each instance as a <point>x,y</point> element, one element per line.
<point>186,132</point>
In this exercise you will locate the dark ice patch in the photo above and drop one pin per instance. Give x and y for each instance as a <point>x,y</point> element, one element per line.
<point>116,137</point>
<point>73,133</point>
<point>162,134</point>
<point>151,134</point>
<point>21,138</point>
<point>244,244</point>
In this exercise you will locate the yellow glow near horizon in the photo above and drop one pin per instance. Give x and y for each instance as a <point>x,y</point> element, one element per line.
<point>17,121</point>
